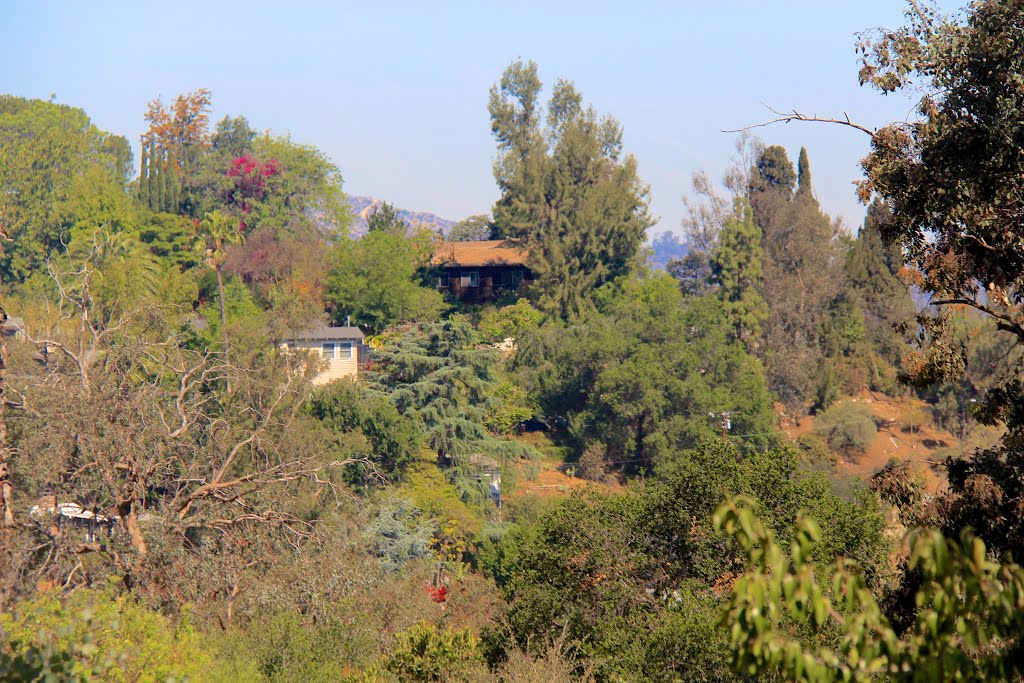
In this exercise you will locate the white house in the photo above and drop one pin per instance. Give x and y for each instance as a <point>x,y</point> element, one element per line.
<point>341,348</point>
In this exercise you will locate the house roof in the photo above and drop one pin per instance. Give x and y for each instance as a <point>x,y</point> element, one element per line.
<point>325,333</point>
<point>508,252</point>
<point>12,324</point>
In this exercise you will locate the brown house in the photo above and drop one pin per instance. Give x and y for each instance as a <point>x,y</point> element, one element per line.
<point>477,272</point>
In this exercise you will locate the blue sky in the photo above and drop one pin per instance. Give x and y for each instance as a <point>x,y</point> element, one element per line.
<point>396,94</point>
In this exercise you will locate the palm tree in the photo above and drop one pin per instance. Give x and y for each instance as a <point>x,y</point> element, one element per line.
<point>106,249</point>
<point>219,230</point>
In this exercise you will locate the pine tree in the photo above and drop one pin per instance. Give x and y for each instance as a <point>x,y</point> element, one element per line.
<point>736,267</point>
<point>579,208</point>
<point>437,375</point>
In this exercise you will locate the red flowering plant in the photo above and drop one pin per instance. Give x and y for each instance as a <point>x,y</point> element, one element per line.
<point>249,178</point>
<point>438,593</point>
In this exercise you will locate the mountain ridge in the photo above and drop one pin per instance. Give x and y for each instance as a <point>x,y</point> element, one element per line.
<point>363,205</point>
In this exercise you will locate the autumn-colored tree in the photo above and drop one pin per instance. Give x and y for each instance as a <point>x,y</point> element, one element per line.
<point>186,122</point>
<point>177,135</point>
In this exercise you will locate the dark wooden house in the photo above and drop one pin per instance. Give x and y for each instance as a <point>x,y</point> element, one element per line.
<point>478,272</point>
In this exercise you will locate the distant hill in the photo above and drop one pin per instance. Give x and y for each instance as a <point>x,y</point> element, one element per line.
<point>664,248</point>
<point>362,206</point>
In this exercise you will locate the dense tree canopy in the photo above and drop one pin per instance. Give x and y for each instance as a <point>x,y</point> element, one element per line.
<point>578,206</point>
<point>540,486</point>
<point>45,149</point>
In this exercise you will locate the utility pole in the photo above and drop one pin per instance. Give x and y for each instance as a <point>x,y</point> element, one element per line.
<point>724,421</point>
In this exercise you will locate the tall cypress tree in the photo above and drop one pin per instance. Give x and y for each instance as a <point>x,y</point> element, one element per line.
<point>871,270</point>
<point>173,185</point>
<point>772,180</point>
<point>144,177</point>
<point>803,179</point>
<point>161,197</point>
<point>154,179</point>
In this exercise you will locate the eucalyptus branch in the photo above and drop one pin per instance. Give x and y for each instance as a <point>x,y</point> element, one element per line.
<point>782,117</point>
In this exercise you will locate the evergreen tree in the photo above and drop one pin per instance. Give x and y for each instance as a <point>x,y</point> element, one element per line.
<point>772,180</point>
<point>152,179</point>
<point>438,376</point>
<point>637,378</point>
<point>162,186</point>
<point>871,270</point>
<point>144,177</point>
<point>173,185</point>
<point>692,272</point>
<point>385,218</point>
<point>803,165</point>
<point>736,267</point>
<point>801,276</point>
<point>579,208</point>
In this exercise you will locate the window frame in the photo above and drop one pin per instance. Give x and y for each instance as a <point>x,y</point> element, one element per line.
<point>333,347</point>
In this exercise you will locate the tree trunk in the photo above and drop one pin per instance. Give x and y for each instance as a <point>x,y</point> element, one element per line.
<point>223,322</point>
<point>126,510</point>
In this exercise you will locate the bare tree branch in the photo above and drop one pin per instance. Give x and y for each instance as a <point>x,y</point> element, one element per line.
<point>795,115</point>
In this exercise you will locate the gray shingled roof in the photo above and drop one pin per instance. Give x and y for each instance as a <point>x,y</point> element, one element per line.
<point>325,333</point>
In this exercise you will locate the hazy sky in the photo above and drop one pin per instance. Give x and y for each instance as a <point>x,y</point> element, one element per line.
<point>396,93</point>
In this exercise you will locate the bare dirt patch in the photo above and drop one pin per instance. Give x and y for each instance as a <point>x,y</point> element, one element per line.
<point>906,433</point>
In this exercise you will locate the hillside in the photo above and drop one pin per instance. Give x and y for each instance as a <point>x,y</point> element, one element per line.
<point>906,433</point>
<point>362,206</point>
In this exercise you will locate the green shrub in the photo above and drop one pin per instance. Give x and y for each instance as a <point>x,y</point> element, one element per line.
<point>814,449</point>
<point>848,427</point>
<point>424,653</point>
<point>90,635</point>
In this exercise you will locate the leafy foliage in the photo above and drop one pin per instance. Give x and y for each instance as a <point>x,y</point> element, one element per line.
<point>967,627</point>
<point>375,280</point>
<point>92,636</point>
<point>848,427</point>
<point>580,210</point>
<point>633,580</point>
<point>473,229</point>
<point>424,654</point>
<point>642,375</point>
<point>44,148</point>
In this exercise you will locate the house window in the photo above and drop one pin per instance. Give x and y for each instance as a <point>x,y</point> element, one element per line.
<point>442,282</point>
<point>345,350</point>
<point>471,278</point>
<point>327,350</point>
<point>511,279</point>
